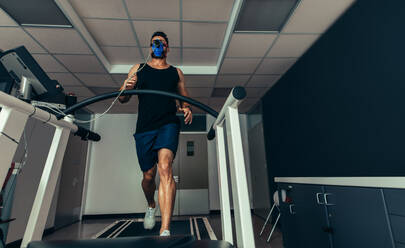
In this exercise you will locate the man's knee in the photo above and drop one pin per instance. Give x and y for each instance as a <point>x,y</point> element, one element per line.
<point>165,170</point>
<point>149,176</point>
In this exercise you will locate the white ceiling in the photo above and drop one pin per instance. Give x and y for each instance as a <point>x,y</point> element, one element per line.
<point>119,33</point>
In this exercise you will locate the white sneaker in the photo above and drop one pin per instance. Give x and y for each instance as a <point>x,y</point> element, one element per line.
<point>165,233</point>
<point>149,220</point>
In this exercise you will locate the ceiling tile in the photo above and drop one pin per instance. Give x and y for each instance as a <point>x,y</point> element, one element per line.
<point>100,8</point>
<point>111,32</point>
<point>249,45</point>
<point>247,104</point>
<point>292,45</point>
<point>213,10</point>
<point>242,66</point>
<point>14,37</point>
<point>160,9</point>
<point>97,80</point>
<point>199,92</point>
<point>201,57</point>
<point>122,55</point>
<point>217,101</point>
<point>6,20</point>
<point>203,34</point>
<point>145,29</point>
<point>65,79</point>
<point>48,63</point>
<point>199,80</point>
<point>255,92</point>
<point>79,91</point>
<point>173,57</point>
<point>315,16</point>
<point>275,65</point>
<point>119,78</point>
<point>263,80</point>
<point>81,63</point>
<point>203,100</point>
<point>60,40</point>
<point>231,80</point>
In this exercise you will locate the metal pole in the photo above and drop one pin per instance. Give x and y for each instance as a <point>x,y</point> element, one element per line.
<point>46,188</point>
<point>240,194</point>
<point>267,219</point>
<point>223,186</point>
<point>274,227</point>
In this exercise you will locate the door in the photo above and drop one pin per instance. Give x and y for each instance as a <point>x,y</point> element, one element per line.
<point>71,182</point>
<point>258,167</point>
<point>193,174</point>
<point>358,217</point>
<point>190,172</point>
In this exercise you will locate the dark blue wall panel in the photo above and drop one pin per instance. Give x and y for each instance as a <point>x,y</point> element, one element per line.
<point>340,110</point>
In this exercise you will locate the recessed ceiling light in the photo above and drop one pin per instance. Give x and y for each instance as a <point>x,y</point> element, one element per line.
<point>35,13</point>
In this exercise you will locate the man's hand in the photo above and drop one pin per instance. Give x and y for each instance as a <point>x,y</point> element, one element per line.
<point>188,115</point>
<point>131,82</point>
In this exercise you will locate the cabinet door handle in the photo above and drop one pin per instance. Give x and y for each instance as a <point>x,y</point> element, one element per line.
<point>325,197</point>
<point>291,208</point>
<point>318,199</point>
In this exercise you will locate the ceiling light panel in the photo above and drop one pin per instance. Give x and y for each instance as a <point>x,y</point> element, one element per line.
<point>39,12</point>
<point>160,9</point>
<point>249,45</point>
<point>111,32</point>
<point>315,16</point>
<point>203,34</point>
<point>207,10</point>
<point>60,40</point>
<point>100,8</point>
<point>260,15</point>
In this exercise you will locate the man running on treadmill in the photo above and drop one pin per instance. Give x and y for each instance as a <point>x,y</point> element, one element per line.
<point>158,127</point>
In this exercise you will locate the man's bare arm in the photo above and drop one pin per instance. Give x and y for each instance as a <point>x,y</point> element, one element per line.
<point>131,82</point>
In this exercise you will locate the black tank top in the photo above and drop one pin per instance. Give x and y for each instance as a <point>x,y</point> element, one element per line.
<point>155,111</point>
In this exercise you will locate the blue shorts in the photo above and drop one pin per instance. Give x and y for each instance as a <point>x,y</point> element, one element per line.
<point>149,143</point>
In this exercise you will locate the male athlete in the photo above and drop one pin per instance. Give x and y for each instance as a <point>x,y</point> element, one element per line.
<point>157,128</point>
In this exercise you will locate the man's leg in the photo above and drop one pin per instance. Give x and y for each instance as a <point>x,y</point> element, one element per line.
<point>149,186</point>
<point>167,187</point>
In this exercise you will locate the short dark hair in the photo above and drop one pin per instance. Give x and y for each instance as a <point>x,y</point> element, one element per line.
<point>162,34</point>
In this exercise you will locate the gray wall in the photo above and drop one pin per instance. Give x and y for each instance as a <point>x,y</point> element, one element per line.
<point>212,164</point>
<point>113,174</point>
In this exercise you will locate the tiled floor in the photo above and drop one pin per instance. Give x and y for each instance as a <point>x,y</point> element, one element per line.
<point>88,228</point>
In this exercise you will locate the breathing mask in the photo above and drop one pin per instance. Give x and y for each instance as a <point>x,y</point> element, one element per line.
<point>158,49</point>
